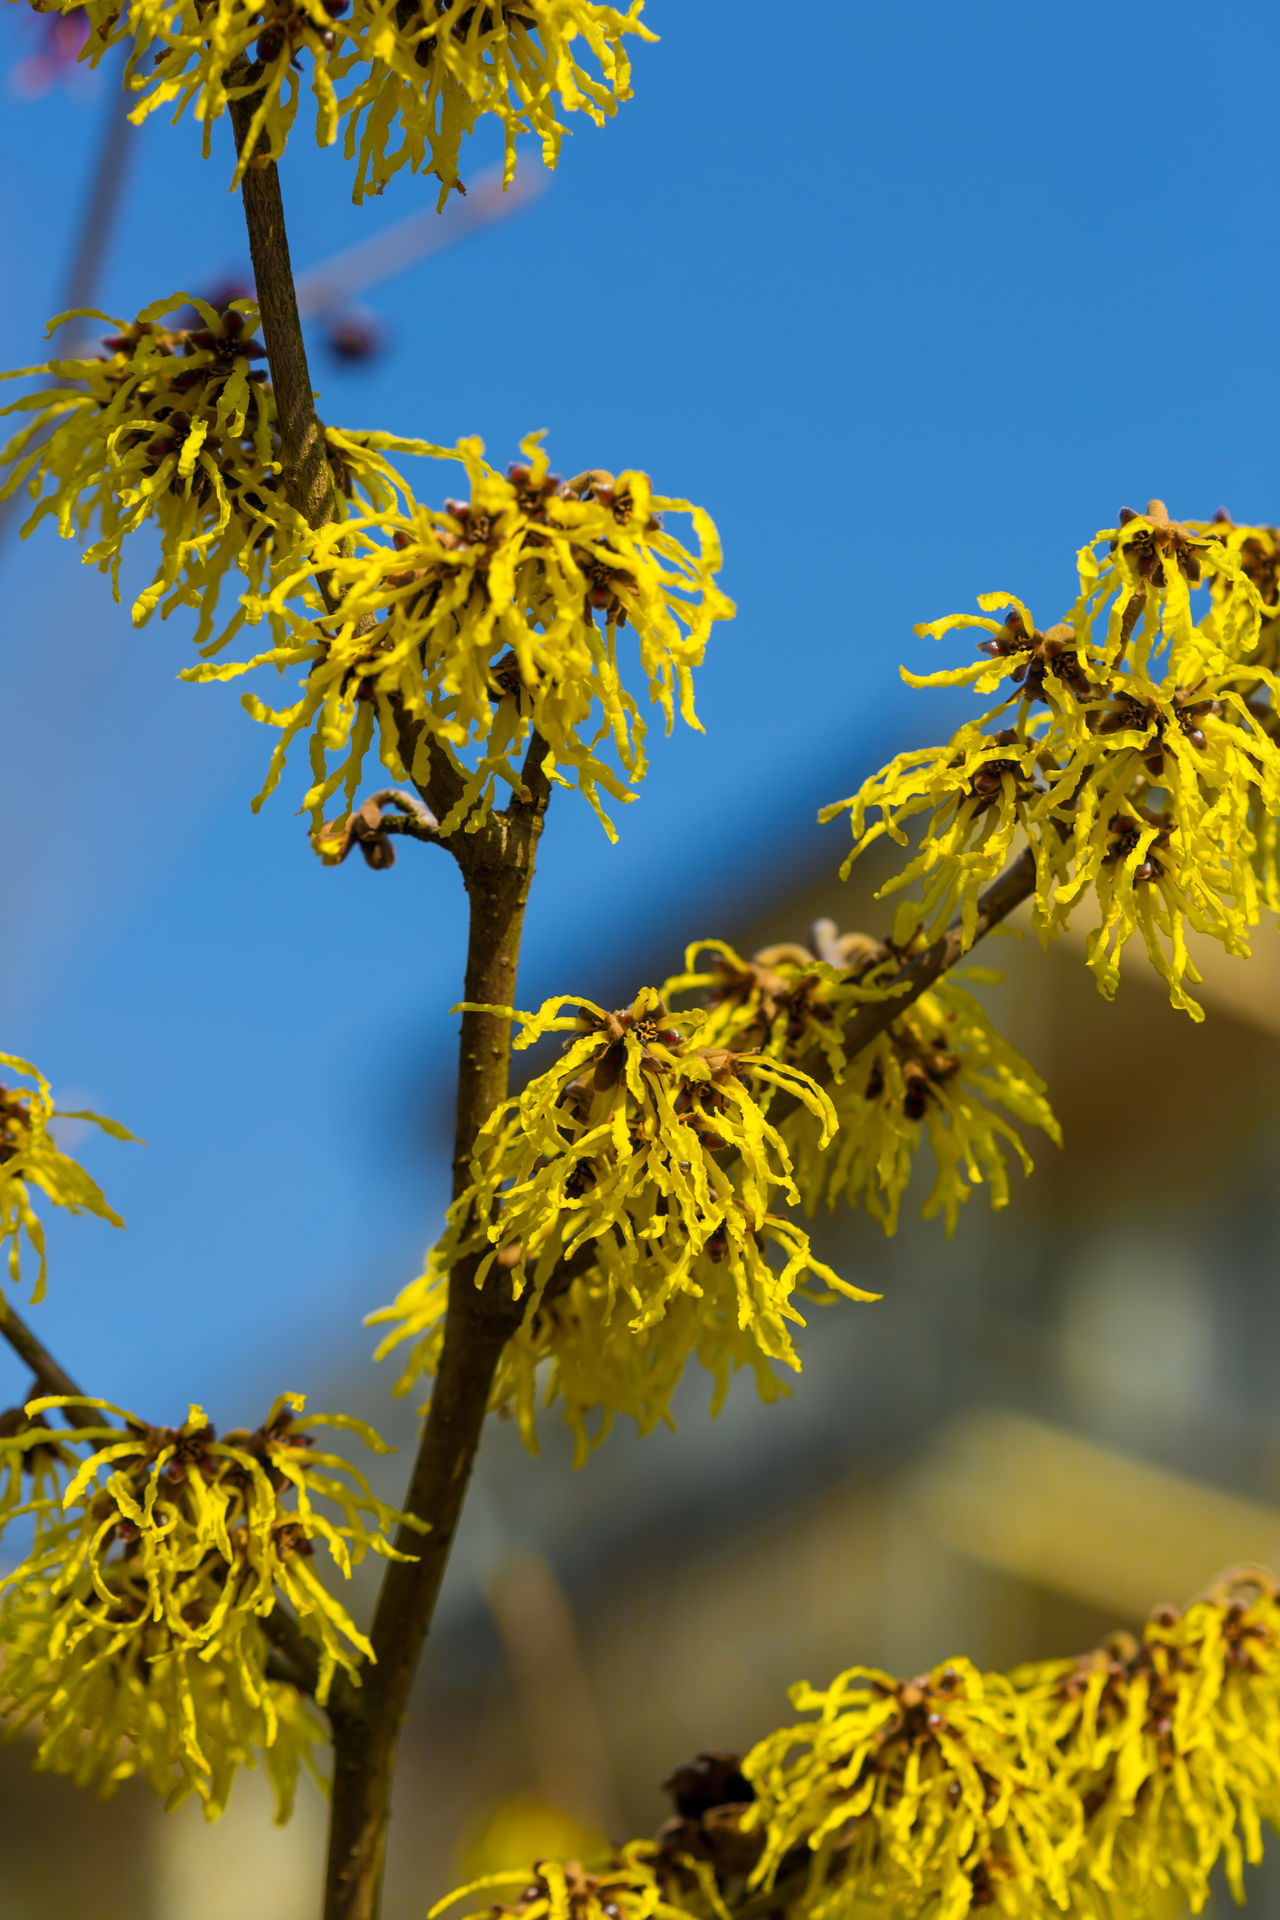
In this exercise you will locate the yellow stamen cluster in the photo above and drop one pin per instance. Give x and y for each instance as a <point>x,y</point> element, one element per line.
<point>494,628</point>
<point>157,1558</point>
<point>604,1190</point>
<point>420,73</point>
<point>29,1159</point>
<point>493,624</point>
<point>172,427</point>
<point>940,1071</point>
<point>1135,753</point>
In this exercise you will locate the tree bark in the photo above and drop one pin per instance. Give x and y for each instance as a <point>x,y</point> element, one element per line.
<point>497,868</point>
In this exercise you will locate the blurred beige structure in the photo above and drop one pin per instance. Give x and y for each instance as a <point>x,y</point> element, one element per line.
<point>1062,1417</point>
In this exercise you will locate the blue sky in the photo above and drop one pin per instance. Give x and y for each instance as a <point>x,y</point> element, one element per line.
<point>910,298</point>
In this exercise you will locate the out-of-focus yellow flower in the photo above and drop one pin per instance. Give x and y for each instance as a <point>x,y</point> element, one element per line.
<point>110,1704</point>
<point>929,1796</point>
<point>421,73</point>
<point>490,624</point>
<point>30,1159</point>
<point>1134,751</point>
<point>623,1888</point>
<point>523,1827</point>
<point>630,1188</point>
<point>173,427</point>
<point>1172,1744</point>
<point>160,1554</point>
<point>941,1070</point>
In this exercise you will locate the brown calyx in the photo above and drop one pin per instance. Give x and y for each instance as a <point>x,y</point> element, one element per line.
<point>711,1794</point>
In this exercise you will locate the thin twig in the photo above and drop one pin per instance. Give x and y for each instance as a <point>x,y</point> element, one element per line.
<point>34,1354</point>
<point>293,1657</point>
<point>308,479</point>
<point>413,806</point>
<point>1016,884</point>
<point>410,826</point>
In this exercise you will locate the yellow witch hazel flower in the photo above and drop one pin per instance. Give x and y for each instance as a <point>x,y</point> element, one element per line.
<point>923,1797</point>
<point>423,72</point>
<point>941,1071</point>
<point>1256,551</point>
<point>109,1706</point>
<point>491,628</point>
<point>1133,752</point>
<point>1172,1743</point>
<point>173,427</point>
<point>430,69</point>
<point>944,1071</point>
<point>133,1627</point>
<point>29,1159</point>
<point>605,1189</point>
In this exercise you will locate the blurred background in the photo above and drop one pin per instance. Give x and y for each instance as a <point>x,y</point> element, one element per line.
<point>912,300</point>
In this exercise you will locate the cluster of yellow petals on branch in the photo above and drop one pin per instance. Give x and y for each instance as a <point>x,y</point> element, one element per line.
<point>489,626</point>
<point>173,428</point>
<point>1134,751</point>
<point>636,1192</point>
<point>506,623</point>
<point>601,1189</point>
<point>939,1071</point>
<point>1083,1786</point>
<point>1104,1788</point>
<point>132,1632</point>
<point>154,1710</point>
<point>406,79</point>
<point>30,1160</point>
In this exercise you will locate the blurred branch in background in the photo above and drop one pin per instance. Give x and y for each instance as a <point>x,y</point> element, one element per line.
<point>571,1764</point>
<point>328,288</point>
<point>101,209</point>
<point>93,236</point>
